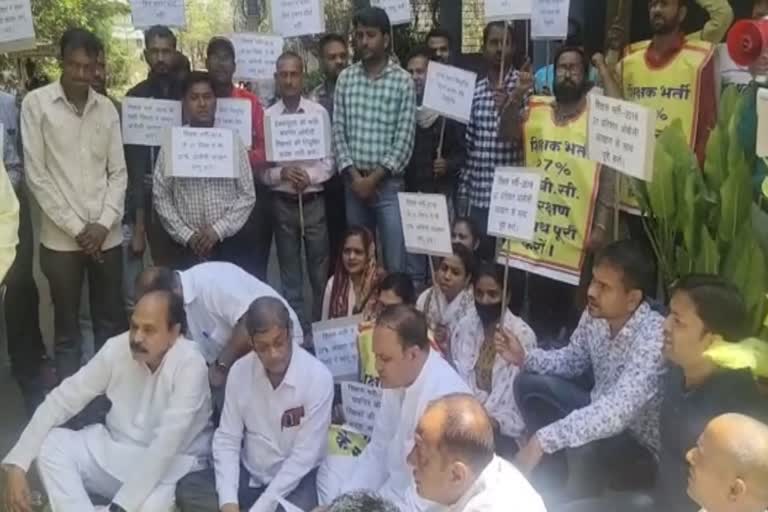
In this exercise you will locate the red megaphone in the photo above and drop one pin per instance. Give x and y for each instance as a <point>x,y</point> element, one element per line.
<point>747,40</point>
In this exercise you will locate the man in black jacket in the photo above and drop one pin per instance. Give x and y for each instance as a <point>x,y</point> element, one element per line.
<point>160,54</point>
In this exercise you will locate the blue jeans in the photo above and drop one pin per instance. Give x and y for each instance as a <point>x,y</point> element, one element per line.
<point>382,212</point>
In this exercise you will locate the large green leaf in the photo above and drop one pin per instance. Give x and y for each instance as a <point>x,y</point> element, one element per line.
<point>693,211</point>
<point>729,100</point>
<point>708,258</point>
<point>661,191</point>
<point>715,162</point>
<point>735,199</point>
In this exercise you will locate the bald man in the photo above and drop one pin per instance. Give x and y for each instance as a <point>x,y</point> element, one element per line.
<point>455,466</point>
<point>729,466</point>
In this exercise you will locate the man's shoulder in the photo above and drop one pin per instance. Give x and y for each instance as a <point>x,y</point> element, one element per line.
<point>441,379</point>
<point>142,89</point>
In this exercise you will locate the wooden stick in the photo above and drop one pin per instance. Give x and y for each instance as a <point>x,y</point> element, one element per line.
<point>503,50</point>
<point>434,284</point>
<point>504,289</point>
<point>442,138</point>
<point>617,203</point>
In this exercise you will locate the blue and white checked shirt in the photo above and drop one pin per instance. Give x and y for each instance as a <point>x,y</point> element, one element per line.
<point>485,148</point>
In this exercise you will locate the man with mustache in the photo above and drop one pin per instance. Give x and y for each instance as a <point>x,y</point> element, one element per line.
<point>619,338</point>
<point>157,430</point>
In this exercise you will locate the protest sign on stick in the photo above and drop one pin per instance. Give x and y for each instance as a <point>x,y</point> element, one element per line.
<point>549,19</point>
<point>449,91</point>
<point>361,403</point>
<point>17,31</point>
<point>398,11</point>
<point>504,10</point>
<point>256,55</point>
<point>236,115</point>
<point>294,137</point>
<point>145,120</point>
<point>147,13</point>
<point>202,153</point>
<point>292,18</point>
<point>335,344</point>
<point>426,225</point>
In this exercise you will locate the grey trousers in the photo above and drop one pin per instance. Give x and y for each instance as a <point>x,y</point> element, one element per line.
<point>196,492</point>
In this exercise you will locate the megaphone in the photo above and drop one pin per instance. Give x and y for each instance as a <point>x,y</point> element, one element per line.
<point>747,40</point>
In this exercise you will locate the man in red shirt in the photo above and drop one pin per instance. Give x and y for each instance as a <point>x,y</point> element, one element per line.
<point>256,235</point>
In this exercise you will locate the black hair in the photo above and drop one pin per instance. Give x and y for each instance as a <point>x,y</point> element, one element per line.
<point>375,17</point>
<point>635,262</point>
<point>467,432</point>
<point>719,304</point>
<point>177,315</point>
<point>439,32</point>
<point>182,63</point>
<point>573,49</point>
<point>195,77</point>
<point>328,39</point>
<point>80,39</point>
<point>156,278</point>
<point>158,31</point>
<point>420,51</point>
<point>467,258</point>
<point>265,313</point>
<point>220,43</point>
<point>499,24</point>
<point>473,229</point>
<point>288,54</point>
<point>489,269</point>
<point>361,501</point>
<point>409,323</point>
<point>402,285</point>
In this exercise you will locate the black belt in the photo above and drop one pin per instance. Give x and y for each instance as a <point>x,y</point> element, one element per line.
<point>294,198</point>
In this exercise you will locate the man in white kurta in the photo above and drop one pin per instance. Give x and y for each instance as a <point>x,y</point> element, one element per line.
<point>454,464</point>
<point>412,375</point>
<point>157,430</point>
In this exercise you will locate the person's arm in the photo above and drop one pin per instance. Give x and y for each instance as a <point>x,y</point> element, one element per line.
<point>309,446</point>
<point>405,130</point>
<point>162,193</point>
<point>189,395</point>
<point>258,153</point>
<point>117,177</point>
<point>340,146</point>
<point>9,224</point>
<point>720,19</point>
<point>228,440</point>
<point>240,210</point>
<point>569,361</point>
<point>45,191</point>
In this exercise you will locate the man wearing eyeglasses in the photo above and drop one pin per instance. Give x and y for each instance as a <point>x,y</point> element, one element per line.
<point>274,428</point>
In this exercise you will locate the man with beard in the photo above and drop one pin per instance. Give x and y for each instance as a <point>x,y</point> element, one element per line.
<point>619,338</point>
<point>160,53</point>
<point>157,430</point>
<point>575,195</point>
<point>439,41</point>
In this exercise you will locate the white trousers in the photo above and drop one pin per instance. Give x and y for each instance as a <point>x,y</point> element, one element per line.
<point>69,474</point>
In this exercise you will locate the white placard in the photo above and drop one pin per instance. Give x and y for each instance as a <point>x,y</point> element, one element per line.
<point>146,13</point>
<point>145,120</point>
<point>236,114</point>
<point>202,153</point>
<point>622,136</point>
<point>504,10</point>
<point>426,225</point>
<point>256,55</point>
<point>294,137</point>
<point>549,19</point>
<point>514,203</point>
<point>336,346</point>
<point>361,403</point>
<point>399,11</point>
<point>762,123</point>
<point>449,90</point>
<point>292,18</point>
<point>17,31</point>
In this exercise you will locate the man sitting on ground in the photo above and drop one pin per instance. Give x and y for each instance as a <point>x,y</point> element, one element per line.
<point>274,426</point>
<point>156,432</point>
<point>455,465</point>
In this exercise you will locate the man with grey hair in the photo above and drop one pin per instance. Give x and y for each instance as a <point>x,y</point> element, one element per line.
<point>274,427</point>
<point>359,501</point>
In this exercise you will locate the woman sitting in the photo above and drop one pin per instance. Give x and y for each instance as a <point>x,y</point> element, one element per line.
<point>488,375</point>
<point>450,299</point>
<point>349,290</point>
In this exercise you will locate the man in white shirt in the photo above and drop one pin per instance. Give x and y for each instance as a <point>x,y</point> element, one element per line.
<point>412,375</point>
<point>75,170</point>
<point>454,463</point>
<point>274,428</point>
<point>216,297</point>
<point>729,466</point>
<point>157,431</point>
<point>297,190</point>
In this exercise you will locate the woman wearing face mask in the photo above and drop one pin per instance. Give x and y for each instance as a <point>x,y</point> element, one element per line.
<point>450,299</point>
<point>349,290</point>
<point>486,373</point>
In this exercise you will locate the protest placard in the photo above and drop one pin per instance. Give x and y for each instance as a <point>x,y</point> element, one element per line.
<point>236,115</point>
<point>146,13</point>
<point>622,136</point>
<point>399,11</point>
<point>336,346</point>
<point>762,123</point>
<point>504,10</point>
<point>292,18</point>
<point>361,403</point>
<point>255,55</point>
<point>449,91</point>
<point>514,199</point>
<point>202,153</point>
<point>549,19</point>
<point>426,225</point>
<point>145,120</point>
<point>293,137</point>
<point>17,32</point>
